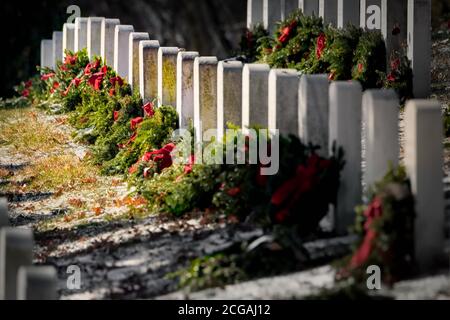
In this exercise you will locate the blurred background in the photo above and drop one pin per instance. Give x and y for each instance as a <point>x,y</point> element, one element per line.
<point>212,27</point>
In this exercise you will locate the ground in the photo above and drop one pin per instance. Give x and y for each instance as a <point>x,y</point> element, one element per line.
<point>96,222</point>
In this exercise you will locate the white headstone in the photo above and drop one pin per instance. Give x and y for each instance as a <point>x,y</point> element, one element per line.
<point>348,13</point>
<point>37,283</point>
<point>271,13</point>
<point>133,57</point>
<point>254,12</point>
<point>68,37</point>
<point>47,53</point>
<point>328,11</point>
<point>4,218</point>
<point>205,95</point>
<point>81,25</point>
<point>229,95</point>
<point>16,250</point>
<point>185,87</point>
<point>255,95</point>
<point>345,131</point>
<point>309,7</point>
<point>107,40</point>
<point>94,36</point>
<point>283,112</point>
<point>122,49</point>
<point>57,47</point>
<point>167,76</point>
<point>424,163</point>
<point>314,111</point>
<point>148,69</point>
<point>380,121</point>
<point>419,45</point>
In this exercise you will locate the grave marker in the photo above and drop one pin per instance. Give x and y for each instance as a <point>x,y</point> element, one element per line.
<point>68,37</point>
<point>309,7</point>
<point>380,119</point>
<point>47,53</point>
<point>424,161</point>
<point>348,11</point>
<point>80,35</point>
<point>148,69</point>
<point>133,57</point>
<point>283,112</point>
<point>205,95</point>
<point>328,10</point>
<point>107,40</point>
<point>345,131</point>
<point>254,12</point>
<point>122,49</point>
<point>185,87</point>
<point>57,48</point>
<point>314,111</point>
<point>229,95</point>
<point>271,13</point>
<point>394,24</point>
<point>16,250</point>
<point>94,36</point>
<point>167,76</point>
<point>37,283</point>
<point>255,86</point>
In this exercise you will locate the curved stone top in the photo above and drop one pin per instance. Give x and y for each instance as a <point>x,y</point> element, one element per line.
<point>187,55</point>
<point>206,60</point>
<point>125,27</point>
<point>37,272</point>
<point>17,237</point>
<point>111,21</point>
<point>139,36</point>
<point>149,44</point>
<point>69,26</point>
<point>230,65</point>
<point>168,50</point>
<point>96,19</point>
<point>81,20</point>
<point>285,73</point>
<point>256,67</point>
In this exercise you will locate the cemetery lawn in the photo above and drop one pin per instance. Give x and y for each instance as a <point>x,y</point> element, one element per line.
<point>82,218</point>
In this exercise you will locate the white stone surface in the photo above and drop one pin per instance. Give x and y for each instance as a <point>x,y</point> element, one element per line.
<point>81,25</point>
<point>107,40</point>
<point>205,95</point>
<point>309,7</point>
<point>328,11</point>
<point>254,12</point>
<point>16,250</point>
<point>57,47</point>
<point>348,11</point>
<point>167,76</point>
<point>271,13</point>
<point>37,283</point>
<point>47,53</point>
<point>133,57</point>
<point>185,87</point>
<point>424,161</point>
<point>314,111</point>
<point>94,36</point>
<point>229,95</point>
<point>283,108</point>
<point>4,219</point>
<point>122,49</point>
<point>419,45</point>
<point>255,95</point>
<point>148,69</point>
<point>68,37</point>
<point>345,131</point>
<point>380,119</point>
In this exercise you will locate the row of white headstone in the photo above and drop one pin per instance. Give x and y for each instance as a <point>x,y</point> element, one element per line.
<point>410,18</point>
<point>19,279</point>
<point>213,92</point>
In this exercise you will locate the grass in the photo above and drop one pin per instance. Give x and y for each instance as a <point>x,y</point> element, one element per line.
<point>21,129</point>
